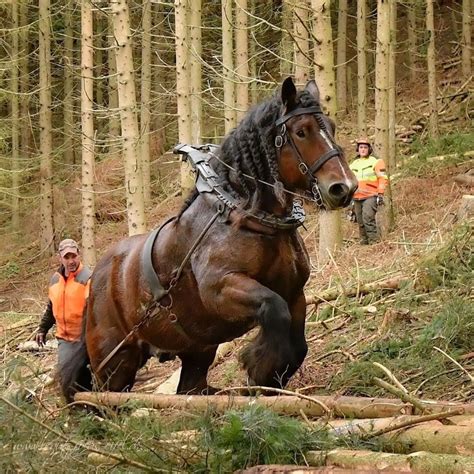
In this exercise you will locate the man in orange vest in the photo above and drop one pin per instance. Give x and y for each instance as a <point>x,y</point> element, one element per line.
<point>68,292</point>
<point>370,172</point>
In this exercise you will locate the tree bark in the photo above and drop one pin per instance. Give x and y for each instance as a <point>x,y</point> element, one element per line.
<point>241,59</point>
<point>114,115</point>
<point>183,88</point>
<point>364,460</point>
<point>128,117</point>
<point>392,88</point>
<point>341,69</point>
<point>87,129</point>
<point>145,100</point>
<point>286,42</point>
<point>15,117</point>
<point>330,228</point>
<point>466,37</point>
<point>45,123</point>
<point>196,70</point>
<point>412,43</point>
<point>228,73</point>
<point>431,64</point>
<point>362,67</point>
<point>68,100</point>
<point>391,284</point>
<point>301,42</point>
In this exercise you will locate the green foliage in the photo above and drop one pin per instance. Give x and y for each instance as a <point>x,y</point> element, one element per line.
<point>241,439</point>
<point>452,265</point>
<point>451,329</point>
<point>451,143</point>
<point>9,270</point>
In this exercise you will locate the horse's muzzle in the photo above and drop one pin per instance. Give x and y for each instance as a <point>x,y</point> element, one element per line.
<point>339,194</point>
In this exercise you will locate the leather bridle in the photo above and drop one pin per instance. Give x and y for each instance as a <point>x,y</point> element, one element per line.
<point>284,137</point>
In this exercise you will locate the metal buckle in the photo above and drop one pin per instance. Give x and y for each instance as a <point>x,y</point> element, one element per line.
<point>303,167</point>
<point>279,141</point>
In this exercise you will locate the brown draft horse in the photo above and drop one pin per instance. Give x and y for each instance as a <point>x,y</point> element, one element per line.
<point>230,261</point>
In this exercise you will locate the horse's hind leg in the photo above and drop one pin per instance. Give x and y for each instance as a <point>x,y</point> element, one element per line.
<point>195,366</point>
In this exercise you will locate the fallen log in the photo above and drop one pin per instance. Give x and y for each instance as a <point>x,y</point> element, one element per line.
<point>430,436</point>
<point>465,179</point>
<point>390,284</point>
<point>418,462</point>
<point>351,407</point>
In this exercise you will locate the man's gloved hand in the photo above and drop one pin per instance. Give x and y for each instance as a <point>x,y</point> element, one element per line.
<point>379,200</point>
<point>40,338</point>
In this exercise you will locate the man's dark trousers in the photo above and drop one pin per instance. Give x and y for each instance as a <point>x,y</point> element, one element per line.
<point>365,210</point>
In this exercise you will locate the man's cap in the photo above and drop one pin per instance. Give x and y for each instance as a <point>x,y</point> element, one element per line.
<point>68,246</point>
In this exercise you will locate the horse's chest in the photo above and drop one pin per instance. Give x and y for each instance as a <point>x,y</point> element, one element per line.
<point>288,265</point>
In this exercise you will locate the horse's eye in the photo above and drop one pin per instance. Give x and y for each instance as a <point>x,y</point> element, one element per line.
<point>300,133</point>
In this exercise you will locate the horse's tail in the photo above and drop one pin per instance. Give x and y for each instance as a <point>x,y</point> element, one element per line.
<point>74,372</point>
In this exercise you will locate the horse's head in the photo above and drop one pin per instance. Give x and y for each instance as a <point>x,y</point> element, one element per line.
<point>309,157</point>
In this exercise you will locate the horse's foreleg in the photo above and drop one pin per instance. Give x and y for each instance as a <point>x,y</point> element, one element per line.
<point>270,359</point>
<point>195,366</point>
<point>119,373</point>
<point>297,329</point>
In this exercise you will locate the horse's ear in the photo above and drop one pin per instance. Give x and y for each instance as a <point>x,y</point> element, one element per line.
<point>313,89</point>
<point>288,93</point>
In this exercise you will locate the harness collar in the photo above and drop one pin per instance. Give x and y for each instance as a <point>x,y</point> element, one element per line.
<point>209,182</point>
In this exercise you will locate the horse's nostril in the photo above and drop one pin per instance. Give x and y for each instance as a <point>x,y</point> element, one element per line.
<point>338,190</point>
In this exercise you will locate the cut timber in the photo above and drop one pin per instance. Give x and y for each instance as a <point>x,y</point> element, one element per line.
<point>464,179</point>
<point>390,284</point>
<point>430,436</point>
<point>353,407</point>
<point>169,386</point>
<point>286,469</point>
<point>419,462</point>
<point>466,208</point>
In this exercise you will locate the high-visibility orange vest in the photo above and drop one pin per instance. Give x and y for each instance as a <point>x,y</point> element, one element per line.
<point>68,296</point>
<point>371,175</point>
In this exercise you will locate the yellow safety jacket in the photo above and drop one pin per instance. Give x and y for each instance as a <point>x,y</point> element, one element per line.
<point>68,297</point>
<point>371,175</point>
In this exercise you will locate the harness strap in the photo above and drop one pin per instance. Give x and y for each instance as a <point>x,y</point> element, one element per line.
<point>300,111</point>
<point>156,288</point>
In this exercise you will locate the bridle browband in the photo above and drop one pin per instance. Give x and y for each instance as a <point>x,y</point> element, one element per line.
<point>284,137</point>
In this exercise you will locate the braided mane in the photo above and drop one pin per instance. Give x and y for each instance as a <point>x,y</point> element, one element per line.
<point>250,149</point>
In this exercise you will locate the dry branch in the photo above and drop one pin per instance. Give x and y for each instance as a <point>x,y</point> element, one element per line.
<point>390,284</point>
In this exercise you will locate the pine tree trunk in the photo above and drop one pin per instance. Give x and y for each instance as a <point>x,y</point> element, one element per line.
<point>466,37</point>
<point>361,67</point>
<point>24,78</point>
<point>68,100</point>
<point>341,70</point>
<point>392,150</point>
<point>241,58</point>
<point>412,43</point>
<point>381,79</point>
<point>15,117</point>
<point>87,129</point>
<point>330,228</point>
<point>301,42</point>
<point>252,52</point>
<point>183,88</point>
<point>114,115</point>
<point>431,63</point>
<point>286,43</point>
<point>196,71</point>
<point>128,117</point>
<point>145,100</point>
<point>159,80</point>
<point>46,143</point>
<point>228,67</point>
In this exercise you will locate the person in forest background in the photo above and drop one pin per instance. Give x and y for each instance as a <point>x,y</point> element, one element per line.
<point>372,178</point>
<point>68,292</point>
